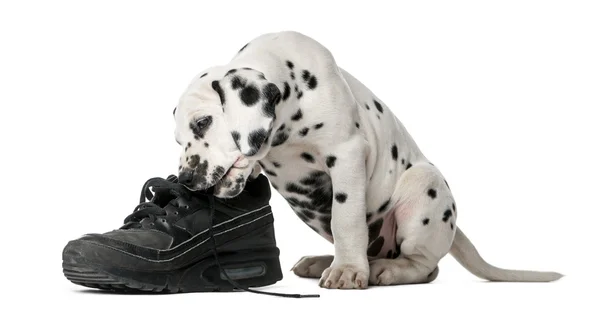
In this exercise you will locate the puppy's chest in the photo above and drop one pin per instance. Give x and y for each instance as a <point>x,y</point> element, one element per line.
<point>301,179</point>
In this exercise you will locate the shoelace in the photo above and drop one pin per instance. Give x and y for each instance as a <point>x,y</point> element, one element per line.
<point>152,210</point>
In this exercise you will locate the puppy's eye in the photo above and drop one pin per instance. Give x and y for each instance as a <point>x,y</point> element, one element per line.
<point>203,122</point>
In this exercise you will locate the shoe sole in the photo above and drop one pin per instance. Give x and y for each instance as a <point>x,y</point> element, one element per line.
<point>250,269</point>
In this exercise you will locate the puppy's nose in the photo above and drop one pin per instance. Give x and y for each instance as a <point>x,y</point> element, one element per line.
<point>186,177</point>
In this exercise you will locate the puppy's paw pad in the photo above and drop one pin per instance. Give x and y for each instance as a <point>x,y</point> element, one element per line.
<point>345,276</point>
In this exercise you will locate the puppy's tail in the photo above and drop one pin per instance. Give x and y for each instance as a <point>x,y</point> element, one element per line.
<point>465,253</point>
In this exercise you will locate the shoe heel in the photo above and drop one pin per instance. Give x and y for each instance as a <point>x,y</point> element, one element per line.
<point>250,269</point>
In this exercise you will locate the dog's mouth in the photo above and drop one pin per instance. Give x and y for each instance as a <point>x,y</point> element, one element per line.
<point>233,178</point>
<point>240,164</point>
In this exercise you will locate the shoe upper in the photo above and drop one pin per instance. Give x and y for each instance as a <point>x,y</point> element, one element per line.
<point>171,220</point>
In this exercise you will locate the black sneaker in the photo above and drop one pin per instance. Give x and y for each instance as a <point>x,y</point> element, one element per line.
<point>169,243</point>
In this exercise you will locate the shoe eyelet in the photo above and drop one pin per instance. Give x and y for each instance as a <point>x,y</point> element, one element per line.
<point>176,212</point>
<point>163,220</point>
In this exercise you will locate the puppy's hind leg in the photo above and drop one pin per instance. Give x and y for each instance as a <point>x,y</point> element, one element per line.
<point>312,266</point>
<point>426,219</point>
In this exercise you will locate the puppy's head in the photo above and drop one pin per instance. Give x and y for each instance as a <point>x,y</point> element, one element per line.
<point>223,122</point>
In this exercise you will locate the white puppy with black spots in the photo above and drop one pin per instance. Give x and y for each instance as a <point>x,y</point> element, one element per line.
<point>336,152</point>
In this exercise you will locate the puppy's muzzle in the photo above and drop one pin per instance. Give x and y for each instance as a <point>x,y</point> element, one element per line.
<point>186,177</point>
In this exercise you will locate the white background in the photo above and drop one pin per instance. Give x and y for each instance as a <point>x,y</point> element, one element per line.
<point>502,96</point>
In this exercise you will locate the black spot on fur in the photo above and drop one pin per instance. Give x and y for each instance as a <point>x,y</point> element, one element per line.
<point>432,193</point>
<point>314,178</point>
<point>305,75</point>
<point>309,214</point>
<point>451,226</point>
<point>341,197</point>
<point>448,186</point>
<point>303,132</point>
<point>408,166</point>
<point>281,127</point>
<point>367,106</point>
<point>378,106</point>
<point>318,191</point>
<point>206,144</point>
<point>295,188</point>
<point>286,90</point>
<point>447,215</point>
<point>375,247</point>
<point>174,109</point>
<point>217,87</point>
<point>280,138</point>
<point>217,173</point>
<point>292,75</point>
<point>330,161</point>
<point>249,95</point>
<point>307,157</point>
<point>300,94</point>
<point>302,217</point>
<point>237,83</point>
<point>383,206</point>
<point>454,207</point>
<point>310,80</point>
<point>289,64</point>
<point>203,75</point>
<point>273,96</point>
<point>357,125</point>
<point>242,49</point>
<point>256,139</point>
<point>231,71</point>
<point>276,164</point>
<point>194,161</point>
<point>394,152</point>
<point>297,116</point>
<point>369,216</point>
<point>236,137</point>
<point>189,144</point>
<point>374,229</point>
<point>403,161</point>
<point>271,173</point>
<point>319,125</point>
<point>425,221</point>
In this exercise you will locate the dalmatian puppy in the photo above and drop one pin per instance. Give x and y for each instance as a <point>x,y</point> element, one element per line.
<point>336,152</point>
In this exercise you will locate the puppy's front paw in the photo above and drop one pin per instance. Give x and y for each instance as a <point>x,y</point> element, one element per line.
<point>345,276</point>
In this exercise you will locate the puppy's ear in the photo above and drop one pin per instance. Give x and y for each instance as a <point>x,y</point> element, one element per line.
<point>249,102</point>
